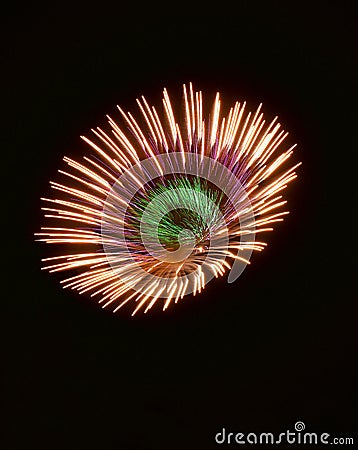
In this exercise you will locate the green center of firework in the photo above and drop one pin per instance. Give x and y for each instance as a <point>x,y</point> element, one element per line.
<point>182,211</point>
<point>180,222</point>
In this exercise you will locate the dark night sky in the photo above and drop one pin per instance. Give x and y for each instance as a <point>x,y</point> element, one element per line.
<point>275,347</point>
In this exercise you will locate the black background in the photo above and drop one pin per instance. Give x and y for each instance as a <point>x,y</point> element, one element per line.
<point>275,347</point>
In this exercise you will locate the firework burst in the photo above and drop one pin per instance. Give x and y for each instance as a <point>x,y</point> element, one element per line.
<point>163,206</point>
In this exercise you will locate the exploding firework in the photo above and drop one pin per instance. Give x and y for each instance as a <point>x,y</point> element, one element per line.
<point>163,206</point>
